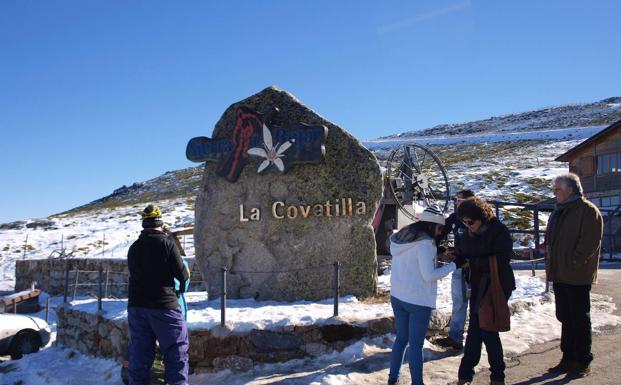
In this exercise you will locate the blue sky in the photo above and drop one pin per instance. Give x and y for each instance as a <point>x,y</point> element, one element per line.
<point>98,94</point>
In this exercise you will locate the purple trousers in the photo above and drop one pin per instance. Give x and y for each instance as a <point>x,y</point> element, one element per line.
<point>169,328</point>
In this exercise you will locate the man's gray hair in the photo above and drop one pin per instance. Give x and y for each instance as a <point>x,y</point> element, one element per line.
<point>570,180</point>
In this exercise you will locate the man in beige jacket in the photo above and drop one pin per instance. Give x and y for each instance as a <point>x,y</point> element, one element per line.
<point>573,241</point>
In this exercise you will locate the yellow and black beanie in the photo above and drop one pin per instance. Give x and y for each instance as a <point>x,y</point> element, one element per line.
<point>151,217</point>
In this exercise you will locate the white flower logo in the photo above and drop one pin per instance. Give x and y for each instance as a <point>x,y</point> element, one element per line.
<point>271,153</point>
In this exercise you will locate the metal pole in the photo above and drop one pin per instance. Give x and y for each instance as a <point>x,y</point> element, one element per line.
<point>106,286</point>
<point>103,246</point>
<point>536,227</point>
<point>75,287</point>
<point>497,210</point>
<point>611,238</point>
<point>62,244</point>
<point>223,299</point>
<point>14,300</point>
<point>47,309</point>
<point>100,282</point>
<point>66,281</point>
<point>25,247</point>
<point>532,264</point>
<point>336,288</point>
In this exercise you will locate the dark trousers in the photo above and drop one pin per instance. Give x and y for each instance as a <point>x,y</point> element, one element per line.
<point>573,310</point>
<point>472,351</point>
<point>169,328</point>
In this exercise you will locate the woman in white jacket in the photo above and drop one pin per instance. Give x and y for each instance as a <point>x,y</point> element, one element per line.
<point>414,289</point>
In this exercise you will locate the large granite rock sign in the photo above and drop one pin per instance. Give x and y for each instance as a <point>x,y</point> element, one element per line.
<point>285,194</point>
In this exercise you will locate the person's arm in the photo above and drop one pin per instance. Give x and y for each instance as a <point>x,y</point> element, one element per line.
<point>425,263</point>
<point>591,232</point>
<point>502,246</point>
<point>176,265</point>
<point>448,226</point>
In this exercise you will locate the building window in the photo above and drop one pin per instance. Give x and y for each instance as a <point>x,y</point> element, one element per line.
<point>609,163</point>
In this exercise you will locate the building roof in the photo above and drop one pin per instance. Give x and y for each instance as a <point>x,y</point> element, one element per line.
<point>565,157</point>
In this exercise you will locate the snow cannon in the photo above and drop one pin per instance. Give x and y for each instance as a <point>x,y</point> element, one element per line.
<point>414,178</point>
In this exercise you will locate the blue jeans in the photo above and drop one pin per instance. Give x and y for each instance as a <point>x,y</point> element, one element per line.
<point>460,306</point>
<point>412,322</point>
<point>169,328</point>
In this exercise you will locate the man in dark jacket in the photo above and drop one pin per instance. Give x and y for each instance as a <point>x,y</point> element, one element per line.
<point>153,310</point>
<point>459,286</point>
<point>573,240</point>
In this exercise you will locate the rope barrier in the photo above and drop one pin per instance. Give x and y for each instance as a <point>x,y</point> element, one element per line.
<point>527,260</point>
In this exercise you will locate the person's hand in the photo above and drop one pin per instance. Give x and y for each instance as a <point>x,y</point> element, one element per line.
<point>460,261</point>
<point>446,258</point>
<point>526,253</point>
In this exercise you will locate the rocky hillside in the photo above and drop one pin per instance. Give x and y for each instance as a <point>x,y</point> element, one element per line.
<point>602,113</point>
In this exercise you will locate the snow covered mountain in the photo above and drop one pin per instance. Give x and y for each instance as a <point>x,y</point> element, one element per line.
<point>509,162</point>
<point>601,113</point>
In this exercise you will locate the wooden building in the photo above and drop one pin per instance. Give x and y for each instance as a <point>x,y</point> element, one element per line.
<point>597,161</point>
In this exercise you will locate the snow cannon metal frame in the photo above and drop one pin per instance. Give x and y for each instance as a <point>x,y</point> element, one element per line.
<point>414,178</point>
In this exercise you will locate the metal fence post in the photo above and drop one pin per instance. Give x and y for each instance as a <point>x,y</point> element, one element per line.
<point>66,282</point>
<point>47,309</point>
<point>106,285</point>
<point>25,247</point>
<point>536,226</point>
<point>611,238</point>
<point>223,299</point>
<point>336,288</point>
<point>75,286</point>
<point>100,282</point>
<point>532,264</point>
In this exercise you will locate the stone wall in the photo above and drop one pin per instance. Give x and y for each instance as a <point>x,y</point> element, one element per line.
<point>91,333</point>
<point>218,348</point>
<point>49,274</point>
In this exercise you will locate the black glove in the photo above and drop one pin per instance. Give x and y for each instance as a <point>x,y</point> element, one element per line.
<point>460,260</point>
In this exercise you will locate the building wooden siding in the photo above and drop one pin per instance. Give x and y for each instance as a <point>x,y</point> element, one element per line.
<point>584,163</point>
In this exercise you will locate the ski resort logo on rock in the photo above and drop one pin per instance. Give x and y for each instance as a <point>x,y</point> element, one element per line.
<point>272,154</point>
<point>251,136</point>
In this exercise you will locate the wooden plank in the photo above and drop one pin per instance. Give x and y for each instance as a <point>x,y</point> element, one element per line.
<point>20,296</point>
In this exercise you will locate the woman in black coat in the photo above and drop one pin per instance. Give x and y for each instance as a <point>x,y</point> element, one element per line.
<point>487,236</point>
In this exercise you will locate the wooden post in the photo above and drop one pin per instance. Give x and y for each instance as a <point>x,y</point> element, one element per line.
<point>336,288</point>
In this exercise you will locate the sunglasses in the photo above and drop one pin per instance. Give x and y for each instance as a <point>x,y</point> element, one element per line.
<point>469,222</point>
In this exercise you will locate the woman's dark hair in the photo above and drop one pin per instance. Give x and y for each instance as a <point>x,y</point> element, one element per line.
<point>428,228</point>
<point>411,232</point>
<point>465,194</point>
<point>476,208</point>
